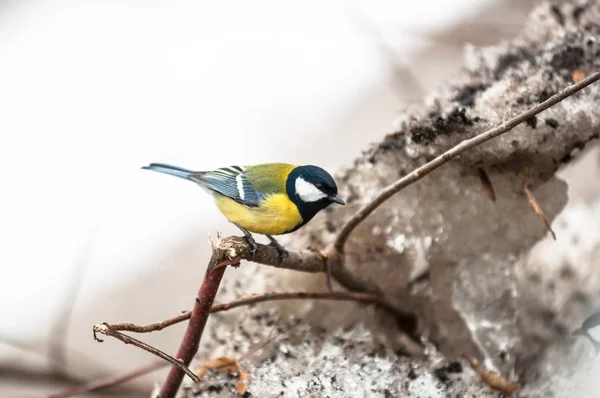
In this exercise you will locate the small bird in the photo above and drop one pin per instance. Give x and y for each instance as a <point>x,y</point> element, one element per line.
<point>267,199</point>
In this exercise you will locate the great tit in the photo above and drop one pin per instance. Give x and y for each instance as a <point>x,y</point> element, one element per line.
<point>267,199</point>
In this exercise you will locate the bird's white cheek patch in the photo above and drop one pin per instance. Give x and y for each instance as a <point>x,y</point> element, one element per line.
<point>307,191</point>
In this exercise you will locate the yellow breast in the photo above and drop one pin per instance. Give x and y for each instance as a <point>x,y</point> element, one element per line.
<point>275,216</point>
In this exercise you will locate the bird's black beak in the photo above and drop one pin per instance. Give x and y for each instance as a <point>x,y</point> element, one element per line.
<point>336,198</point>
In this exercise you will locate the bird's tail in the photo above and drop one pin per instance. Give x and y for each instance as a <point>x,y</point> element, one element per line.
<point>171,170</point>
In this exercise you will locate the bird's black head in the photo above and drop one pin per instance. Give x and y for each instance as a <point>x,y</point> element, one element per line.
<point>311,189</point>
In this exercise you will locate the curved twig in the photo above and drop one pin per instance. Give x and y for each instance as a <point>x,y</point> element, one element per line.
<point>465,145</point>
<point>178,363</point>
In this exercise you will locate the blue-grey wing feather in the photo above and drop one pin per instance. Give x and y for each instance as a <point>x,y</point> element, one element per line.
<point>231,182</point>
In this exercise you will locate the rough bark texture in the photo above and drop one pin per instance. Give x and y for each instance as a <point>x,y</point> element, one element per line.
<point>442,239</point>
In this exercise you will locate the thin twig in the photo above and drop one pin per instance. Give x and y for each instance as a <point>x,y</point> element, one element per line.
<point>112,380</point>
<point>496,381</point>
<point>152,327</point>
<point>535,206</point>
<point>465,145</point>
<point>123,377</point>
<point>107,331</point>
<point>260,298</point>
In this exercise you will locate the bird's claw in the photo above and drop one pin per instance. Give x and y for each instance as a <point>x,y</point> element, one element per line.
<point>281,252</point>
<point>253,246</point>
<point>251,242</point>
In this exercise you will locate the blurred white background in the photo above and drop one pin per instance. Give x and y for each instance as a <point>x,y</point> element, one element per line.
<point>90,91</point>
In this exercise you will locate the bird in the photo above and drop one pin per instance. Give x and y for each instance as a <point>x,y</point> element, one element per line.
<point>266,199</point>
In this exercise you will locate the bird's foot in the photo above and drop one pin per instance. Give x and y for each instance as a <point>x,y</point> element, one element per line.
<point>253,246</point>
<point>251,242</point>
<point>281,252</point>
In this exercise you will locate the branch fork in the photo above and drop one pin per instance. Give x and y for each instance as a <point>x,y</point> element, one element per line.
<point>231,250</point>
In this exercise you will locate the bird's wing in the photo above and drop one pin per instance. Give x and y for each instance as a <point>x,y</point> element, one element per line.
<point>246,185</point>
<point>231,182</point>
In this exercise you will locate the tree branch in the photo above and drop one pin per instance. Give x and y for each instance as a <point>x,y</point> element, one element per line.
<point>535,205</point>
<point>316,261</point>
<point>403,317</point>
<point>311,261</point>
<point>367,298</point>
<point>226,251</point>
<point>465,145</point>
<point>233,249</point>
<point>177,363</point>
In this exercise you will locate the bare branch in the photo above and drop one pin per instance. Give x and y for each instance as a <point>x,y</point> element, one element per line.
<point>123,377</point>
<point>535,205</point>
<point>151,327</point>
<point>301,260</point>
<point>107,331</point>
<point>367,298</point>
<point>224,252</point>
<point>465,145</point>
<point>230,251</point>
